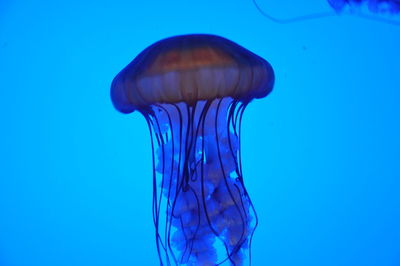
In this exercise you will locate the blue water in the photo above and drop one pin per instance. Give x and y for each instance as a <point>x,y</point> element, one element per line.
<point>321,153</point>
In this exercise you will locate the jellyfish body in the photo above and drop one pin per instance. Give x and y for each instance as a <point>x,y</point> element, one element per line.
<point>192,90</point>
<point>387,11</point>
<point>374,6</point>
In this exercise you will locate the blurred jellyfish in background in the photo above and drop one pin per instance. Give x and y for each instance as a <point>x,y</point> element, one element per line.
<point>391,7</point>
<point>192,91</point>
<point>387,11</point>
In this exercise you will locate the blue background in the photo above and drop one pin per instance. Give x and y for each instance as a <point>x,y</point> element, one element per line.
<point>321,153</point>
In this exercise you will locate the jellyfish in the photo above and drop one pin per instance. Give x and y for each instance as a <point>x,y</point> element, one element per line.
<point>192,90</point>
<point>374,6</point>
<point>387,11</point>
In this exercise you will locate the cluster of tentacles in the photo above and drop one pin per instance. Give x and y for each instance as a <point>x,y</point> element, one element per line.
<point>201,209</point>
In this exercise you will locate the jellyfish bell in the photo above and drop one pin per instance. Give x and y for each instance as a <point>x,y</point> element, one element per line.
<point>190,68</point>
<point>192,91</point>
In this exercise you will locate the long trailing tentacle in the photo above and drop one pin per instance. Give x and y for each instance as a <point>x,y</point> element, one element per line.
<point>294,19</point>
